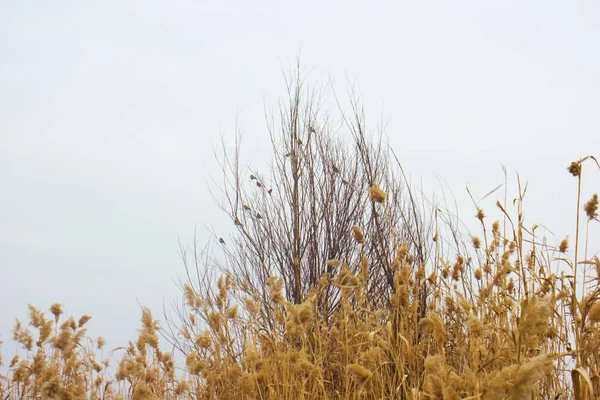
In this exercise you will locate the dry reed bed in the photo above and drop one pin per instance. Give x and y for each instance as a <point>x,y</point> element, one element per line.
<point>512,319</point>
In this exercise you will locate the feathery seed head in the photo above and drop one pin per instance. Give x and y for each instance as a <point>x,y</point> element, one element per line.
<point>575,168</point>
<point>591,207</point>
<point>83,320</point>
<point>377,195</point>
<point>56,309</point>
<point>564,245</point>
<point>358,234</point>
<point>594,313</point>
<point>480,215</point>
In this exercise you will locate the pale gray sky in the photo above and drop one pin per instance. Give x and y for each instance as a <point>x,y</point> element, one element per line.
<point>109,111</point>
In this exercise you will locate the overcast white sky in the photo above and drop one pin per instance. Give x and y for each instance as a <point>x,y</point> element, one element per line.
<point>109,111</point>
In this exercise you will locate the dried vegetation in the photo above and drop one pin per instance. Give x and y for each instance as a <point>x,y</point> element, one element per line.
<point>339,285</point>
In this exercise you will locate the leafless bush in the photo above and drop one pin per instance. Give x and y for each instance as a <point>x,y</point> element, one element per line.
<point>302,219</point>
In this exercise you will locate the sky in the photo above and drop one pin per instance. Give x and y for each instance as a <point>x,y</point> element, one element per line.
<point>111,111</point>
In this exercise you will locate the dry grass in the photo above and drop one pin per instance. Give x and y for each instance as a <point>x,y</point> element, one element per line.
<point>510,318</point>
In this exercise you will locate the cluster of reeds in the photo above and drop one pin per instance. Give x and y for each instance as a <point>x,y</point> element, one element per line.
<point>58,361</point>
<point>512,317</point>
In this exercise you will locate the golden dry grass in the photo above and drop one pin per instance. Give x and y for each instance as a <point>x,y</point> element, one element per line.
<point>507,319</point>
